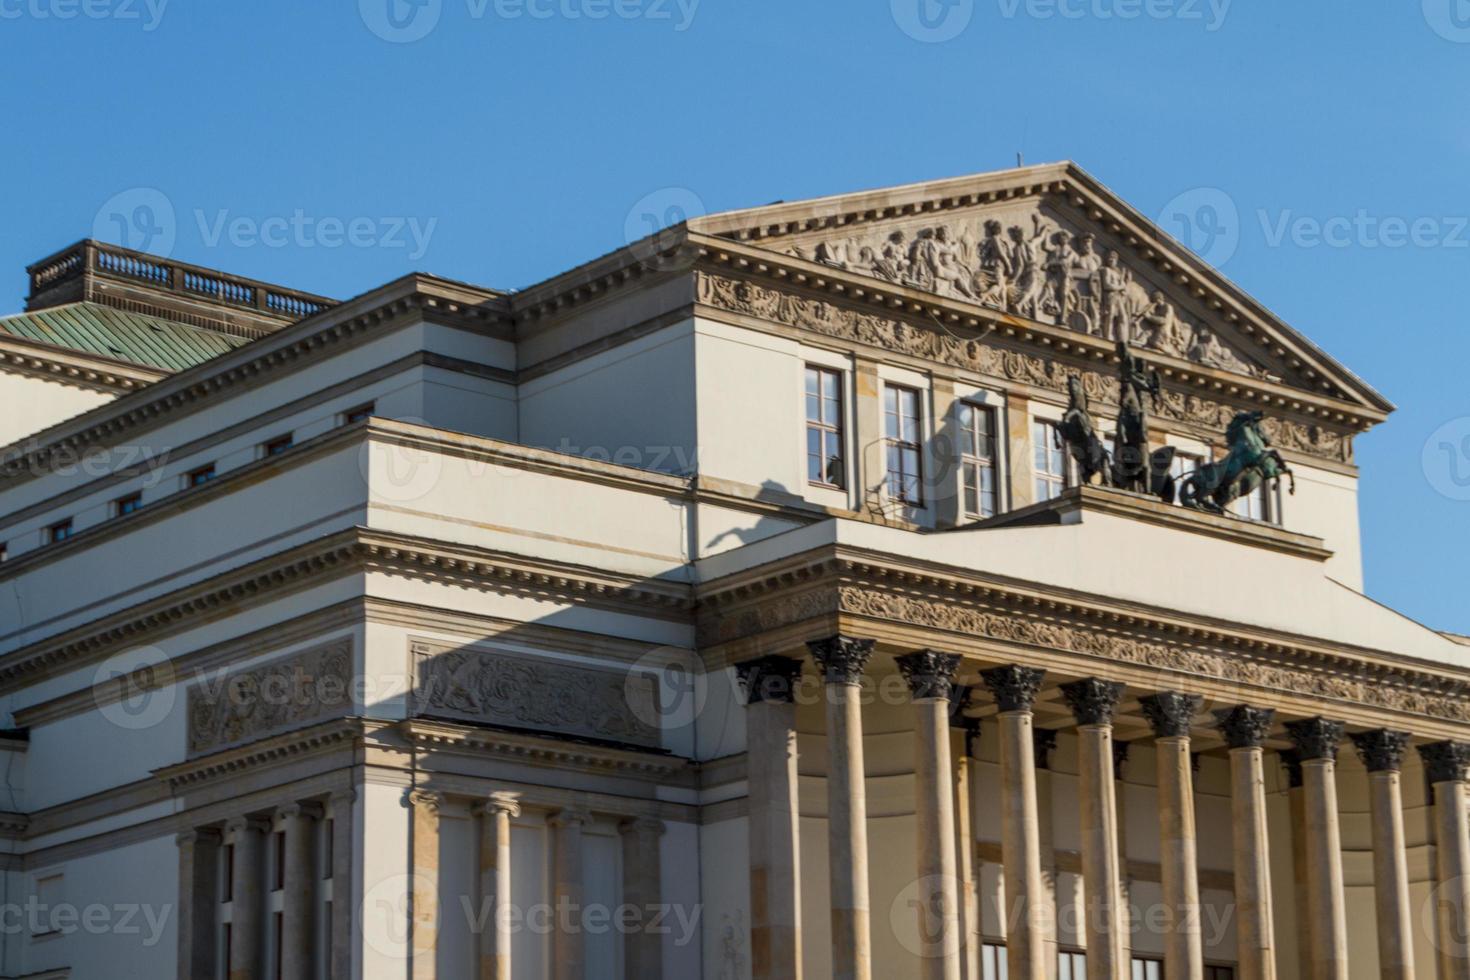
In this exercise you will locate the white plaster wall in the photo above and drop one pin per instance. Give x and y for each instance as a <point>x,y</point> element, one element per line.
<point>752,424</point>
<point>31,404</point>
<point>725,890</point>
<point>1326,505</point>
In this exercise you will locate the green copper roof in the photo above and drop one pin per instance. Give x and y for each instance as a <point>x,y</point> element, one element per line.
<point>133,337</point>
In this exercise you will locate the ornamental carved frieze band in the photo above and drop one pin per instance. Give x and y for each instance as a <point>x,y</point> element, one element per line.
<point>1381,750</point>
<point>1316,738</point>
<point>292,692</point>
<point>1170,713</point>
<point>930,674</point>
<point>538,694</point>
<point>928,343</point>
<point>1092,701</point>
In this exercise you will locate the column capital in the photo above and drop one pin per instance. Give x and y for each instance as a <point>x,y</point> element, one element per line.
<point>1291,761</point>
<point>1316,738</point>
<point>1093,700</point>
<point>1445,762</point>
<point>649,827</point>
<point>1381,750</point>
<point>290,811</point>
<point>199,835</point>
<point>343,797</point>
<point>1014,687</point>
<point>425,800</point>
<point>496,803</point>
<point>842,659</point>
<point>1170,713</point>
<point>769,679</point>
<point>569,817</point>
<point>930,674</point>
<point>1244,727</point>
<point>241,825</point>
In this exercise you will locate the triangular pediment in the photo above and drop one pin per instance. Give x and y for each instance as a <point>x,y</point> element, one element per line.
<point>1049,244</point>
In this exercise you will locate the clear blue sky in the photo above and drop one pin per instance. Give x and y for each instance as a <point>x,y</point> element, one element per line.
<point>527,136</point>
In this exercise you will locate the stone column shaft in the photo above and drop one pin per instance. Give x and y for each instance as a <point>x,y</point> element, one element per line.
<point>642,889</point>
<point>1093,702</point>
<point>247,838</point>
<point>1445,764</point>
<point>1382,753</point>
<point>931,679</point>
<point>1170,715</point>
<point>1316,741</point>
<point>300,900</point>
<point>775,819</point>
<point>1015,690</point>
<point>343,901</point>
<point>569,952</point>
<point>842,660</point>
<point>964,834</point>
<point>1245,730</point>
<point>199,898</point>
<point>424,902</point>
<point>495,885</point>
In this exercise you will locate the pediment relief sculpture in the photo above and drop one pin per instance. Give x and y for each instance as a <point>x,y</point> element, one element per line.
<point>1038,270</point>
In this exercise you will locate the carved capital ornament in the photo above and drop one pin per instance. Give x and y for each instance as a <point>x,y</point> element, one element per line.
<point>1014,688</point>
<point>842,659</point>
<point>769,679</point>
<point>1445,762</point>
<point>1244,727</point>
<point>1093,701</point>
<point>930,675</point>
<point>1382,750</point>
<point>1170,713</point>
<point>1316,739</point>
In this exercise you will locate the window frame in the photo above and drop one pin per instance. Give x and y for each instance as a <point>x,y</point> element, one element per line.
<point>359,413</point>
<point>128,503</point>
<point>1063,478</point>
<point>61,531</point>
<point>901,445</point>
<point>278,446</point>
<point>200,476</point>
<point>973,460</point>
<point>835,429</point>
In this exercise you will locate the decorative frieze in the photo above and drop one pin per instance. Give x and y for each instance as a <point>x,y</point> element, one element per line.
<point>842,659</point>
<point>988,358</point>
<point>1316,738</point>
<point>292,692</point>
<point>930,674</point>
<point>1092,701</point>
<point>1382,750</point>
<point>1170,713</point>
<point>1244,727</point>
<point>490,687</point>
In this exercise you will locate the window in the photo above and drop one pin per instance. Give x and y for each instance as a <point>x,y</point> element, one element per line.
<point>1147,969</point>
<point>49,899</point>
<point>1071,966</point>
<point>277,446</point>
<point>59,532</point>
<point>978,459</point>
<point>199,477</point>
<point>901,427</point>
<point>359,413</point>
<point>1219,973</point>
<point>1183,465</point>
<point>1050,464</point>
<point>824,457</point>
<point>993,965</point>
<point>1257,505</point>
<point>123,506</point>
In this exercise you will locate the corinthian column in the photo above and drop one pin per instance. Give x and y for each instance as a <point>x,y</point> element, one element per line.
<point>1093,702</point>
<point>199,898</point>
<point>568,948</point>
<point>1382,753</point>
<point>247,837</point>
<point>424,900</point>
<point>1245,731</point>
<point>842,661</point>
<point>930,676</point>
<point>964,836</point>
<point>495,816</point>
<point>301,876</point>
<point>775,820</point>
<point>643,950</point>
<point>1316,742</point>
<point>1170,715</point>
<point>1444,765</point>
<point>1014,689</point>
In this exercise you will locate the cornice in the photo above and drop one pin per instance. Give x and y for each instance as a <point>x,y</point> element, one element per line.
<point>795,293</point>
<point>316,740</point>
<point>356,549</point>
<point>290,349</point>
<point>853,583</point>
<point>539,751</point>
<point>70,367</point>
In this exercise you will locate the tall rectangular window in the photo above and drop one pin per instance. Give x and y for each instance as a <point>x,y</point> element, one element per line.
<point>1257,505</point>
<point>1071,966</point>
<point>978,459</point>
<point>901,423</point>
<point>824,456</point>
<point>1050,462</point>
<point>993,965</point>
<point>1219,973</point>
<point>1146,969</point>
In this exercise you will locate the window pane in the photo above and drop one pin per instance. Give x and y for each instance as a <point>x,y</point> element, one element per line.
<point>814,441</point>
<point>813,408</point>
<point>830,385</point>
<point>812,383</point>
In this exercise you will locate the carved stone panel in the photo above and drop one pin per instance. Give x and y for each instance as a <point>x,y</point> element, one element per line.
<point>292,692</point>
<point>492,687</point>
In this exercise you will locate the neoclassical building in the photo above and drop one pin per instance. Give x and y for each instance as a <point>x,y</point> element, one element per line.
<point>770,598</point>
